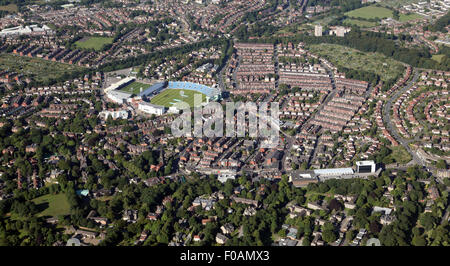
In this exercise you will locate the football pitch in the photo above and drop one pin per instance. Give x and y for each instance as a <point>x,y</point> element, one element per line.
<point>95,43</point>
<point>170,97</point>
<point>135,88</point>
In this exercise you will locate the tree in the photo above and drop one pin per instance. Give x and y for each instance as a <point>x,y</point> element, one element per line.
<point>427,220</point>
<point>334,204</point>
<point>419,241</point>
<point>441,164</point>
<point>375,227</point>
<point>329,236</point>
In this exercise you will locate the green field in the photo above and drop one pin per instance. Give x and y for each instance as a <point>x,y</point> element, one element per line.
<point>379,64</point>
<point>370,12</point>
<point>135,87</point>
<point>95,43</point>
<point>360,23</point>
<point>168,97</point>
<point>12,8</point>
<point>38,69</point>
<point>404,17</point>
<point>52,205</point>
<point>437,57</point>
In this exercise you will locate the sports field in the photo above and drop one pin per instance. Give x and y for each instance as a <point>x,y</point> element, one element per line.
<point>170,97</point>
<point>370,12</point>
<point>52,205</point>
<point>95,43</point>
<point>135,88</point>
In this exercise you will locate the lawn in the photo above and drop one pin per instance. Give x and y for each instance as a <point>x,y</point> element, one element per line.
<point>360,23</point>
<point>404,17</point>
<point>52,205</point>
<point>370,12</point>
<point>400,155</point>
<point>95,43</point>
<point>135,87</point>
<point>12,8</point>
<point>438,57</point>
<point>38,69</point>
<point>169,97</point>
<point>377,63</point>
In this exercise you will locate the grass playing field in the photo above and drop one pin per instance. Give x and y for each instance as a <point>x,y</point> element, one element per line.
<point>370,12</point>
<point>96,43</point>
<point>135,87</point>
<point>171,96</point>
<point>52,205</point>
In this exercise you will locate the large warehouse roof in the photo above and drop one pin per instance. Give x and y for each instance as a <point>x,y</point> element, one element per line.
<point>334,171</point>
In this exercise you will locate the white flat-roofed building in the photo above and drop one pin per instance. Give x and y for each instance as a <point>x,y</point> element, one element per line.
<point>151,108</point>
<point>118,96</point>
<point>333,172</point>
<point>366,167</point>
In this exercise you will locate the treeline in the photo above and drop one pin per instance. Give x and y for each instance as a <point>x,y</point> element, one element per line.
<point>440,24</point>
<point>360,75</point>
<point>370,42</point>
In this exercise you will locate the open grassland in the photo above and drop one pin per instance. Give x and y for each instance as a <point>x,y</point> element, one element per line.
<point>379,64</point>
<point>95,43</point>
<point>400,155</point>
<point>52,205</point>
<point>38,69</point>
<point>135,88</point>
<point>170,97</point>
<point>12,8</point>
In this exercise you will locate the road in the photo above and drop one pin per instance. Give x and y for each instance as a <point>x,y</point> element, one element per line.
<point>390,126</point>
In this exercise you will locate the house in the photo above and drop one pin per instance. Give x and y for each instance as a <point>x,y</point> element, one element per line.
<point>197,238</point>
<point>86,234</point>
<point>152,216</point>
<point>227,229</point>
<point>249,211</point>
<point>314,206</point>
<point>221,239</point>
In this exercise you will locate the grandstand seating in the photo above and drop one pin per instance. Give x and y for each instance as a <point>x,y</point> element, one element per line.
<point>208,91</point>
